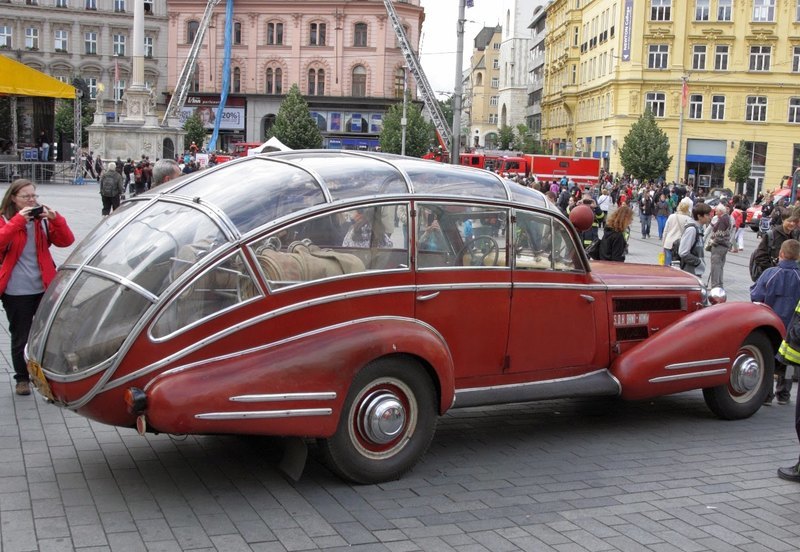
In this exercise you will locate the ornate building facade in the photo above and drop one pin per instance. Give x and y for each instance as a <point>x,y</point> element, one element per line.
<point>482,88</point>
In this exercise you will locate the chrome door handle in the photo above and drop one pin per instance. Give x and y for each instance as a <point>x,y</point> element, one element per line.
<point>589,298</point>
<point>427,297</point>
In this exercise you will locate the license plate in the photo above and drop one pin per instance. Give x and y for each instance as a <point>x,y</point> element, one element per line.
<point>37,378</point>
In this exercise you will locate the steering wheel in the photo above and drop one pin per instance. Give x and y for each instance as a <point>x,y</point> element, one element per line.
<point>479,249</point>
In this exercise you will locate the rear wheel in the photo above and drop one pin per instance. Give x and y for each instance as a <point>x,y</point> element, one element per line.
<point>751,375</point>
<point>387,424</point>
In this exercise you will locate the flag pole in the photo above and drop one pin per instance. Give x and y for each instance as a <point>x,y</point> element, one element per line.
<point>684,94</point>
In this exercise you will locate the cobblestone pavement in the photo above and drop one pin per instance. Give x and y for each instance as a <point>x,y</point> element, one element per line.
<point>580,475</point>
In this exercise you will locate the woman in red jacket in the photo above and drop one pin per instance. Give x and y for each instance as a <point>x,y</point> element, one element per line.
<point>27,230</point>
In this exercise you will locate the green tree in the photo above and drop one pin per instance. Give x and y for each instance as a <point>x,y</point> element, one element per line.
<point>195,132</point>
<point>65,120</point>
<point>506,137</point>
<point>739,171</point>
<point>525,142</point>
<point>418,131</point>
<point>645,150</point>
<point>294,125</point>
<point>447,109</point>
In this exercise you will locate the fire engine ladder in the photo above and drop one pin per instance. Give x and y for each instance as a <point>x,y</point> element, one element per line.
<point>185,78</point>
<point>424,87</point>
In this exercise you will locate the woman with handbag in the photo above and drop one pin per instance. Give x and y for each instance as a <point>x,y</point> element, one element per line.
<point>27,230</point>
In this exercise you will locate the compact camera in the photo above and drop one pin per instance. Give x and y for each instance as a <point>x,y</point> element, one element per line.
<point>37,211</point>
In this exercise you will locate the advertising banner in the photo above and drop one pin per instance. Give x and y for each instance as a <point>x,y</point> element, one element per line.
<point>627,29</point>
<point>232,117</point>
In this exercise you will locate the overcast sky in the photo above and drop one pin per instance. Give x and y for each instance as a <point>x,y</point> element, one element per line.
<point>439,39</point>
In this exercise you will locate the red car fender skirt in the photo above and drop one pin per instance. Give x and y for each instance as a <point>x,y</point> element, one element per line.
<point>695,352</point>
<point>296,387</point>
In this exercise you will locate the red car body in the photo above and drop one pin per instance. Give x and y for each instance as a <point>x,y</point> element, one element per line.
<point>753,214</point>
<point>355,297</point>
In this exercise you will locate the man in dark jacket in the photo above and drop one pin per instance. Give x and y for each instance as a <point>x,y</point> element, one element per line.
<point>766,254</point>
<point>779,287</point>
<point>691,248</point>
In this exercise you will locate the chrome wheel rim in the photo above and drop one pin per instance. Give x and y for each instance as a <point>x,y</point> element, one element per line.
<point>382,418</point>
<point>747,373</point>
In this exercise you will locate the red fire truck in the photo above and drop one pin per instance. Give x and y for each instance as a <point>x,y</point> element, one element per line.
<point>581,170</point>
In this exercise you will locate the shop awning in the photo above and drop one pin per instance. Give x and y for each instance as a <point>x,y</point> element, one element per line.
<point>17,79</point>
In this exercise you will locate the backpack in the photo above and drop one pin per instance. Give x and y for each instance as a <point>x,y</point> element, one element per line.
<point>593,250</point>
<point>676,246</point>
<point>108,185</point>
<point>755,269</point>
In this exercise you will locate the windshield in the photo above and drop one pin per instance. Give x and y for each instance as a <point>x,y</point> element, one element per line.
<point>106,227</point>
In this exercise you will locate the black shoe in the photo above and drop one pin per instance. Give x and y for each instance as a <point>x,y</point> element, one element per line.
<point>768,401</point>
<point>792,473</point>
<point>783,400</point>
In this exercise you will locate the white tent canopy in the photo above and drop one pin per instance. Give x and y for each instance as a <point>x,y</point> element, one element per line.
<point>273,144</point>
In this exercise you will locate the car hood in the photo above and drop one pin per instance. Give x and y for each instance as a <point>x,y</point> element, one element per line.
<point>642,275</point>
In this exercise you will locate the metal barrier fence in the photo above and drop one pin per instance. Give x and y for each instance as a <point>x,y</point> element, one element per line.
<point>38,172</point>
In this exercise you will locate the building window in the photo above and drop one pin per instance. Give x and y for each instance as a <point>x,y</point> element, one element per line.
<point>695,106</point>
<point>119,44</point>
<point>764,11</point>
<point>119,6</point>
<point>496,46</point>
<point>702,8</point>
<point>795,59</point>
<point>496,64</point>
<point>797,12</point>
<point>756,108</point>
<point>274,34</point>
<point>119,90</point>
<point>274,80</point>
<point>759,58</point>
<point>699,57</point>
<point>717,108</point>
<point>721,58</point>
<point>32,38</point>
<point>191,31</point>
<point>359,81</point>
<point>91,84</point>
<point>148,7</point>
<point>61,40</point>
<point>660,10</point>
<point>5,36</point>
<point>493,101</point>
<point>91,4</point>
<point>495,82</point>
<point>148,47</point>
<point>360,35</point>
<point>794,110</point>
<point>724,10</point>
<point>236,81</point>
<point>492,118</point>
<point>658,57</point>
<point>655,102</point>
<point>195,82</point>
<point>237,33</point>
<point>399,82</point>
<point>62,4</point>
<point>90,42</point>
<point>316,82</point>
<point>317,35</point>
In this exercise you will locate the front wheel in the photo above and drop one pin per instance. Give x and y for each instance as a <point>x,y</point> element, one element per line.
<point>751,377</point>
<point>387,423</point>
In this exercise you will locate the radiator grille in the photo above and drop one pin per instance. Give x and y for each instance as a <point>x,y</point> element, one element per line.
<point>649,304</point>
<point>632,334</point>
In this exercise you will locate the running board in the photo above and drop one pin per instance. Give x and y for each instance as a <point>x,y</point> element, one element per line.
<point>594,384</point>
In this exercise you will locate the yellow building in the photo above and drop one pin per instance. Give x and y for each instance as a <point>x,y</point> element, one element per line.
<point>607,60</point>
<point>482,90</point>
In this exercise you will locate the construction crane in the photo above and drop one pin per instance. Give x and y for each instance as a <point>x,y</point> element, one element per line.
<point>185,78</point>
<point>423,86</point>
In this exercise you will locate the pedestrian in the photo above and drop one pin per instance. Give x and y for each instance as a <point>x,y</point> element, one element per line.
<point>766,252</point>
<point>27,230</point>
<point>738,215</point>
<point>44,146</point>
<point>88,166</point>
<point>779,287</point>
<point>127,171</point>
<point>673,230</point>
<point>691,247</point>
<point>646,208</point>
<point>615,235</point>
<point>98,167</point>
<point>112,189</point>
<point>147,174</point>
<point>165,170</point>
<point>662,211</point>
<point>718,243</point>
<point>604,201</point>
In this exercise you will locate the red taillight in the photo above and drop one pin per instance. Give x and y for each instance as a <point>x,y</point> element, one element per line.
<point>136,400</point>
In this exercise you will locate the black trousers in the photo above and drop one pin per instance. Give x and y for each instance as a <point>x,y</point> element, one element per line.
<point>110,204</point>
<point>19,311</point>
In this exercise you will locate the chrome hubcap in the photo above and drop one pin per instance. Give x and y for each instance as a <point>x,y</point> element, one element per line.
<point>745,374</point>
<point>381,417</point>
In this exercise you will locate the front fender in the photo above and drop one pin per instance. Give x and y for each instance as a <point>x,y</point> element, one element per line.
<point>694,352</point>
<point>293,387</point>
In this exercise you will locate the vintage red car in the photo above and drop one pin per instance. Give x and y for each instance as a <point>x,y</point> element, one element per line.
<point>355,297</point>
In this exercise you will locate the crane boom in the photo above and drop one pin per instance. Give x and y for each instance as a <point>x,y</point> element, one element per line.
<point>184,79</point>
<point>424,87</point>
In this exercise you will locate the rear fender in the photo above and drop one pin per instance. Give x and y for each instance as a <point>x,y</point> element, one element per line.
<point>294,387</point>
<point>695,352</point>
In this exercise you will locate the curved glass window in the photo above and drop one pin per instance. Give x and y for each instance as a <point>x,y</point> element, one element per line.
<point>430,178</point>
<point>219,288</point>
<point>54,292</point>
<point>348,177</point>
<point>255,192</point>
<point>158,245</point>
<point>107,227</point>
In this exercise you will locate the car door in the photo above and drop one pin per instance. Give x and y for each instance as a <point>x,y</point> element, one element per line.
<point>463,282</point>
<point>555,310</point>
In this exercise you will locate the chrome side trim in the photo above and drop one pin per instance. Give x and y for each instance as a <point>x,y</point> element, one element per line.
<point>690,375</point>
<point>697,363</point>
<point>261,414</point>
<point>599,383</point>
<point>277,397</point>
